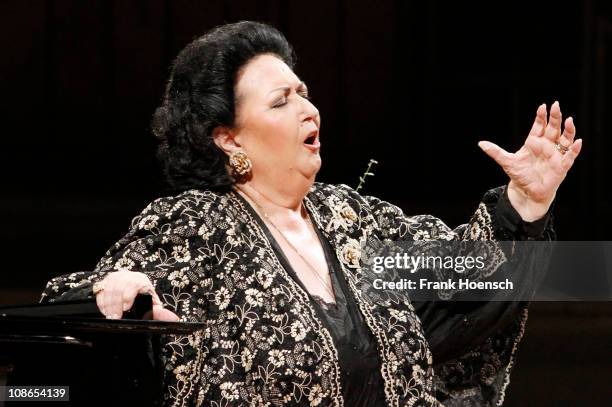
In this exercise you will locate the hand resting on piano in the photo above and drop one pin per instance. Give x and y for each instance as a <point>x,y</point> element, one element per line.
<point>117,291</point>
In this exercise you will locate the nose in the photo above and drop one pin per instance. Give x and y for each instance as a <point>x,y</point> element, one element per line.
<point>310,112</point>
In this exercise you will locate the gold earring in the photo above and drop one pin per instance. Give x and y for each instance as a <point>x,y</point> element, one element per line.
<point>240,162</point>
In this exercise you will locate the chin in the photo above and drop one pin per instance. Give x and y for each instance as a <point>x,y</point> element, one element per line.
<point>310,171</point>
<point>316,166</point>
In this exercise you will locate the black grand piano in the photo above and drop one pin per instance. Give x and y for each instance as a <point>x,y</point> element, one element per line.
<point>76,357</point>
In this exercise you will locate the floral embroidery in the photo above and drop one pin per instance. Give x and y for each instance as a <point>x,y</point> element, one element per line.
<point>298,331</point>
<point>148,222</point>
<point>351,253</point>
<point>124,264</point>
<point>315,396</point>
<point>222,298</point>
<point>263,344</point>
<point>276,357</point>
<point>347,212</point>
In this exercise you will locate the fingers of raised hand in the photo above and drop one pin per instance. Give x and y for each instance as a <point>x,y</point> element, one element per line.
<point>553,129</point>
<point>501,156</point>
<point>569,132</point>
<point>568,158</point>
<point>539,123</point>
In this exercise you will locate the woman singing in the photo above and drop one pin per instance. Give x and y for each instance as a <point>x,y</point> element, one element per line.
<point>269,259</point>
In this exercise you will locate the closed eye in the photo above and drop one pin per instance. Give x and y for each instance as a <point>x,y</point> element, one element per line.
<point>280,103</point>
<point>302,91</point>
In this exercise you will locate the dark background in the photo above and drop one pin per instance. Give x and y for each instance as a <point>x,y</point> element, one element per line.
<point>413,84</point>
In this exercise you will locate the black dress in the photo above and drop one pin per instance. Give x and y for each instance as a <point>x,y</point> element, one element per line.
<point>361,380</point>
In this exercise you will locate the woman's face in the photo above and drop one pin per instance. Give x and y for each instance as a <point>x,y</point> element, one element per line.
<point>276,125</point>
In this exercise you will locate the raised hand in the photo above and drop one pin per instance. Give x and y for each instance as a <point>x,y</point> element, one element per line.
<point>537,169</point>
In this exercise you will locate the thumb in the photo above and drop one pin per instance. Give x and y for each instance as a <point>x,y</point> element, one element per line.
<point>498,154</point>
<point>162,314</point>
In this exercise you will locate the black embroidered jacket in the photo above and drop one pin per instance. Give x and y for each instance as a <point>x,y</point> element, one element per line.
<point>264,344</point>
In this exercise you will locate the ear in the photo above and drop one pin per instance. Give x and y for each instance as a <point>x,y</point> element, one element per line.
<point>225,139</point>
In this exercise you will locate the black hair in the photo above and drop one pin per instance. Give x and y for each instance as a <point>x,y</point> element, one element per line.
<point>200,96</point>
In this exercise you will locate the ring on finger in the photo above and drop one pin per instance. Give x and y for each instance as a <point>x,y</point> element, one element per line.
<point>562,149</point>
<point>97,287</point>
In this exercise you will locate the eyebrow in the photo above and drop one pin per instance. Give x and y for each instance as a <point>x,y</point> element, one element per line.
<point>285,88</point>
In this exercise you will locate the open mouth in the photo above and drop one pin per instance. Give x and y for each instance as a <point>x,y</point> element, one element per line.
<point>311,139</point>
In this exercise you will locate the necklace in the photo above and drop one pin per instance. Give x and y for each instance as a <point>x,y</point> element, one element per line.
<point>329,290</point>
